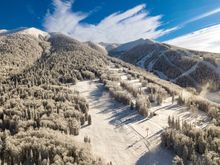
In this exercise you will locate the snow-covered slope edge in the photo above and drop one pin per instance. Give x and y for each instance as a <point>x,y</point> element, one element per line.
<point>30,31</point>
<point>184,67</point>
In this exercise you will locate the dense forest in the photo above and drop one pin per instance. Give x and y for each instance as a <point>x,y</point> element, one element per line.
<point>37,109</point>
<point>39,113</point>
<point>193,145</point>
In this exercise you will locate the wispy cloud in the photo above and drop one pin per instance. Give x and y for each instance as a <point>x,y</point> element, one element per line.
<point>204,15</point>
<point>206,39</point>
<point>118,27</point>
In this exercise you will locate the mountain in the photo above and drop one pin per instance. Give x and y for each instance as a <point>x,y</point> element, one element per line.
<point>130,45</point>
<point>36,108</point>
<point>184,67</point>
<point>109,46</point>
<point>19,49</point>
<point>67,102</point>
<point>29,31</point>
<point>96,47</point>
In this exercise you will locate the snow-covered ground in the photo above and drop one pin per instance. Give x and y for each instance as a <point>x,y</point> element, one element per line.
<point>121,135</point>
<point>213,96</point>
<point>110,138</point>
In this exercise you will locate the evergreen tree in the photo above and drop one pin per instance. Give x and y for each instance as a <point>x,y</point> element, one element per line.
<point>177,161</point>
<point>89,120</point>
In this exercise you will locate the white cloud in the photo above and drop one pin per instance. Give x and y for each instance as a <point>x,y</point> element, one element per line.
<point>206,39</point>
<point>62,19</point>
<point>204,15</point>
<point>118,27</point>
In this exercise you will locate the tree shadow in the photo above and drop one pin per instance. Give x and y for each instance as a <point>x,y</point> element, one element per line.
<point>157,156</point>
<point>96,94</point>
<point>120,113</point>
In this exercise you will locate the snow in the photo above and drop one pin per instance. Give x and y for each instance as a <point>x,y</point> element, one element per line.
<point>142,61</point>
<point>109,46</point>
<point>209,65</point>
<point>109,138</point>
<point>151,64</point>
<point>124,77</point>
<point>102,47</point>
<point>2,31</point>
<point>119,134</point>
<point>96,46</point>
<point>161,75</point>
<point>187,73</point>
<point>192,69</point>
<point>30,31</point>
<point>132,44</point>
<point>34,32</point>
<point>213,96</point>
<point>170,63</point>
<point>149,41</point>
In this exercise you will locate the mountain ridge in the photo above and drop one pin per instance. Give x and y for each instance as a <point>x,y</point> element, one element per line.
<point>173,63</point>
<point>67,102</point>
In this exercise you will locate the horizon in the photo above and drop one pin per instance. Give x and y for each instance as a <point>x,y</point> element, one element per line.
<point>179,24</point>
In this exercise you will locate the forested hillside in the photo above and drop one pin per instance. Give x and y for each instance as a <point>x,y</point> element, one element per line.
<point>18,52</point>
<point>184,67</point>
<point>49,86</point>
<point>38,113</point>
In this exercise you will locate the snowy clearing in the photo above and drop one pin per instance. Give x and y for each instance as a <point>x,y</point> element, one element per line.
<point>119,134</point>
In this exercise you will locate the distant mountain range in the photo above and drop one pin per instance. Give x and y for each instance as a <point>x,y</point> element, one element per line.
<point>184,67</point>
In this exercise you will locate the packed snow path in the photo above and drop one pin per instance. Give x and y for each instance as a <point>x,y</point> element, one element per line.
<point>122,136</point>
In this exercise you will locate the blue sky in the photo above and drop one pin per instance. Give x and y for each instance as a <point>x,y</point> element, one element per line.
<point>112,20</point>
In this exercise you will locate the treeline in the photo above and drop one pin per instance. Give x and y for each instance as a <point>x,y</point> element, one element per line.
<point>142,74</point>
<point>38,114</point>
<point>139,98</point>
<point>18,52</point>
<point>204,74</point>
<point>28,117</point>
<point>193,145</point>
<point>43,147</point>
<point>174,62</point>
<point>212,110</point>
<point>57,108</point>
<point>66,62</point>
<point>164,66</point>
